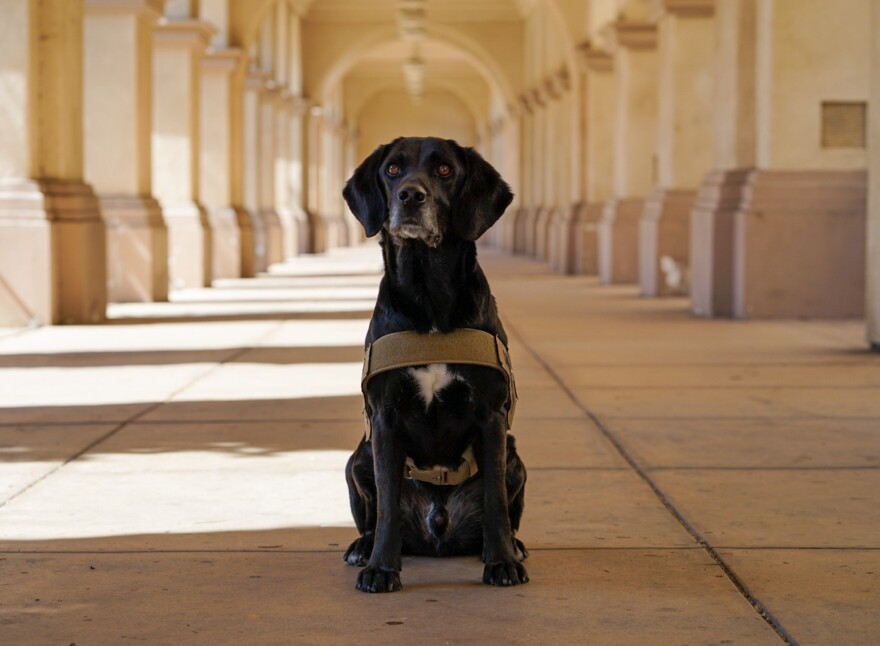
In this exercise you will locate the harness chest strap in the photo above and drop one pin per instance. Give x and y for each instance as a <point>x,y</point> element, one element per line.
<point>462,346</point>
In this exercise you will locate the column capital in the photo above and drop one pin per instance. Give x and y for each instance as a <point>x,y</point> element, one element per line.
<point>300,104</point>
<point>194,34</point>
<point>594,59</point>
<point>149,8</point>
<point>221,60</point>
<point>629,34</point>
<point>255,79</point>
<point>271,92</point>
<point>525,103</point>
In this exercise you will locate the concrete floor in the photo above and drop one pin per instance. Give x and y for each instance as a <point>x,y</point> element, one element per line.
<point>177,477</point>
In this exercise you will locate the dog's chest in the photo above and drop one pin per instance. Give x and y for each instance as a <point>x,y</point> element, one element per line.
<point>431,380</point>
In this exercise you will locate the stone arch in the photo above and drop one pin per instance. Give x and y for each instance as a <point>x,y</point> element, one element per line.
<point>474,53</point>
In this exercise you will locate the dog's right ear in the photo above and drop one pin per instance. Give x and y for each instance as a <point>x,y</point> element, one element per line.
<point>364,194</point>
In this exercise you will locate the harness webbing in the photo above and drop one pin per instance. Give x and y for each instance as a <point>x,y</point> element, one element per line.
<point>461,346</point>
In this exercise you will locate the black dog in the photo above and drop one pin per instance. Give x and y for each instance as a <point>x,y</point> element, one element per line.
<point>431,199</point>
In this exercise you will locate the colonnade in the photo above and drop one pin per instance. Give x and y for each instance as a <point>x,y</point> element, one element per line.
<point>721,153</point>
<point>712,148</point>
<point>152,145</point>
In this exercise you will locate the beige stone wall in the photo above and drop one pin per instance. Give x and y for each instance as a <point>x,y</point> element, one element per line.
<point>808,52</point>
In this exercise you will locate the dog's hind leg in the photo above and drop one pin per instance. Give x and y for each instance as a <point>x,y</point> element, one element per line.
<point>362,497</point>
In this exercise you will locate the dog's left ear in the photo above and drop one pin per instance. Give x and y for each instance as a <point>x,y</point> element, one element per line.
<point>481,199</point>
<point>365,196</point>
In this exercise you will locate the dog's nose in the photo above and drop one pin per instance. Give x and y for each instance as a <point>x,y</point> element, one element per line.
<point>412,193</point>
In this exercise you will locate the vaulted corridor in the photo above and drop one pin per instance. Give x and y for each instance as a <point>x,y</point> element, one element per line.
<point>689,272</point>
<point>177,477</point>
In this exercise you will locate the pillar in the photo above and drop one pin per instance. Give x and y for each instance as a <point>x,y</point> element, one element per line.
<point>283,188</point>
<point>179,45</point>
<point>734,156</point>
<point>599,67</point>
<point>686,46</point>
<point>872,299</point>
<point>215,166</point>
<point>799,232</point>
<point>635,135</point>
<point>118,104</point>
<point>52,240</point>
<point>312,156</point>
<point>296,172</point>
<point>528,170</point>
<point>253,243</point>
<point>270,97</point>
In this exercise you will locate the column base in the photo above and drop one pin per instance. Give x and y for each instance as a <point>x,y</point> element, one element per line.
<point>543,232</point>
<point>226,243</point>
<point>664,247</point>
<point>799,245</point>
<point>137,249</point>
<point>274,235</point>
<point>253,242</point>
<point>562,238</point>
<point>521,229</point>
<point>711,241</point>
<point>52,253</point>
<point>586,244</point>
<point>619,241</point>
<point>189,244</point>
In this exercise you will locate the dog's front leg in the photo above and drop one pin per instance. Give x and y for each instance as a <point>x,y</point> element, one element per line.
<point>502,565</point>
<point>382,573</point>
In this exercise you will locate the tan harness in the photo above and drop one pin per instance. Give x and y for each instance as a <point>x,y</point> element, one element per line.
<point>463,346</point>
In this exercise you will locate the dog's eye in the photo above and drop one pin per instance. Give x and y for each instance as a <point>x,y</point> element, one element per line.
<point>444,170</point>
<point>393,170</point>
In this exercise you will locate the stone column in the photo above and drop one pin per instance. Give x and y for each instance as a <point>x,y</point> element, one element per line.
<point>600,154</point>
<point>538,163</point>
<point>117,101</point>
<point>635,136</point>
<point>313,161</point>
<point>52,241</point>
<point>270,97</point>
<point>569,142</point>
<point>872,301</point>
<point>253,241</point>
<point>684,143</point>
<point>527,160</point>
<point>799,232</point>
<point>283,187</point>
<point>179,45</point>
<point>215,167</point>
<point>296,171</point>
<point>719,195</point>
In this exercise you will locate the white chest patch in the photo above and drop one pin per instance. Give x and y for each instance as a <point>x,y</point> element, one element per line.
<point>432,379</point>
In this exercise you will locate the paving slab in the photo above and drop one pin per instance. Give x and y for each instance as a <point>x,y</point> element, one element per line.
<point>564,443</point>
<point>822,596</point>
<point>830,375</point>
<point>596,508</point>
<point>778,507</point>
<point>29,452</point>
<point>741,443</point>
<point>601,596</point>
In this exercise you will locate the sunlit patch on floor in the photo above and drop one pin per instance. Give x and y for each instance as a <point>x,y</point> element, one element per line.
<point>231,488</point>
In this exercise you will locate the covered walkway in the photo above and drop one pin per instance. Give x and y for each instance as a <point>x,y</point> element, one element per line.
<point>177,477</point>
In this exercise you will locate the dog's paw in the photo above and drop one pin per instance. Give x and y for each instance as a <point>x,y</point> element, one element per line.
<point>519,547</point>
<point>505,573</point>
<point>358,553</point>
<point>374,579</point>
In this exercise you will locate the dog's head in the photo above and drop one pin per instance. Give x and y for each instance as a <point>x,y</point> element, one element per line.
<point>426,189</point>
